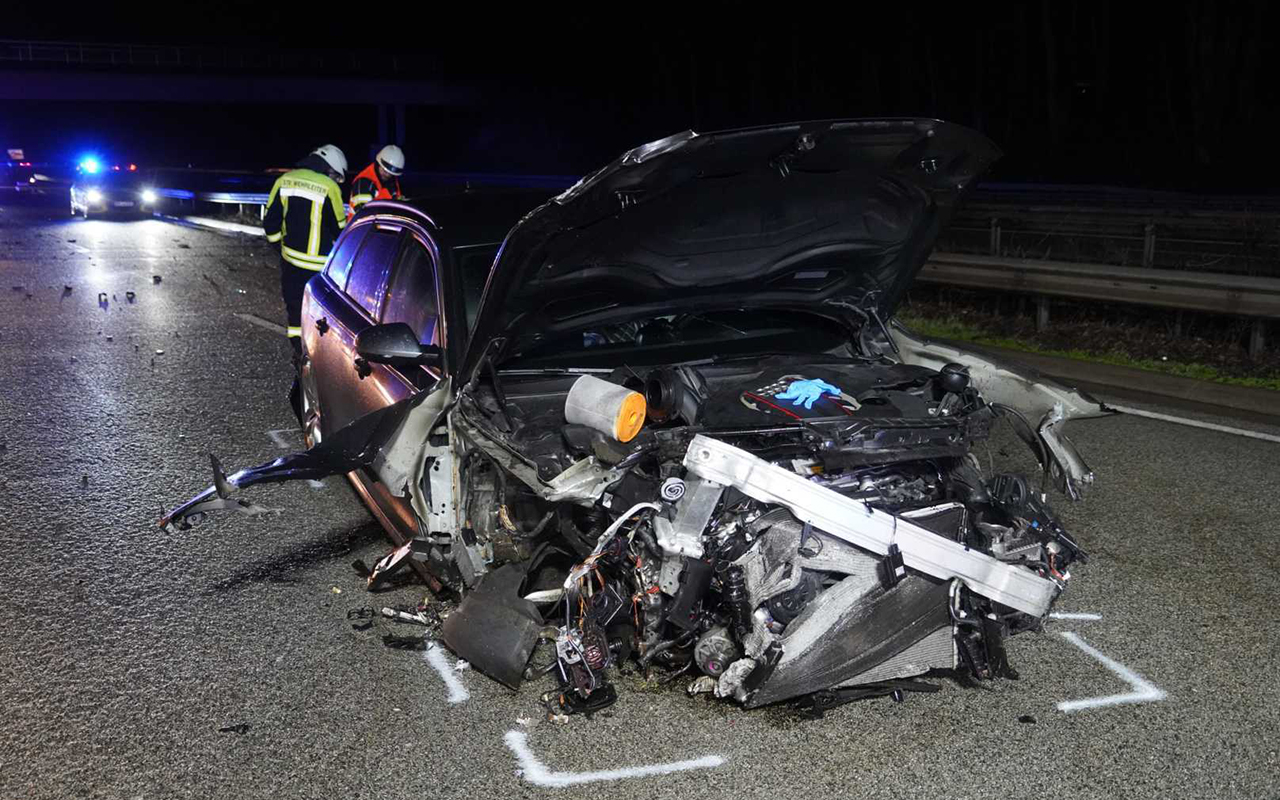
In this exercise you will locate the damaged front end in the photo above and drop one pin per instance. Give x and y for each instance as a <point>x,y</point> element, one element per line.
<point>781,554</point>
<point>789,503</point>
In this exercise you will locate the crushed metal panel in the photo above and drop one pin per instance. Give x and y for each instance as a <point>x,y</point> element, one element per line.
<point>775,564</point>
<point>868,528</point>
<point>1045,402</point>
<point>1010,384</point>
<point>850,629</point>
<point>935,651</point>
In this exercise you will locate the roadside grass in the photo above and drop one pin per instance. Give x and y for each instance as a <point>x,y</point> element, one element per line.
<point>954,328</point>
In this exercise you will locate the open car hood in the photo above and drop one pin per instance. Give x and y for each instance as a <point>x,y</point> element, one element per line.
<point>802,213</point>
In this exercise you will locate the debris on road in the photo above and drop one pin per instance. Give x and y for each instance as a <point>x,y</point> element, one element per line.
<point>156,279</point>
<point>240,728</point>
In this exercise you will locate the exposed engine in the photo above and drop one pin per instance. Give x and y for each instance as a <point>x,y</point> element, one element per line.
<point>819,530</point>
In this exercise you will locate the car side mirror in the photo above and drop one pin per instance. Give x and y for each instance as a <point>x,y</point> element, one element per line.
<point>395,343</point>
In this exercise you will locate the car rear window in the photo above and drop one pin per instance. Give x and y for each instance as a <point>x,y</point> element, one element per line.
<point>340,261</point>
<point>412,297</point>
<point>371,267</point>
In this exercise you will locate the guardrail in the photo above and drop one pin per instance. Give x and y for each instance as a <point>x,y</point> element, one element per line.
<point>1238,295</point>
<point>1228,239</point>
<point>1226,293</point>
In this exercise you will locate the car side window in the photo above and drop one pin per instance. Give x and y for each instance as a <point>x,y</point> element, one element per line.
<point>412,296</point>
<point>340,262</point>
<point>372,267</point>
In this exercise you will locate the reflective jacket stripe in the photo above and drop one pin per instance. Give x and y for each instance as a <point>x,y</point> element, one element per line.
<point>293,330</point>
<point>304,260</point>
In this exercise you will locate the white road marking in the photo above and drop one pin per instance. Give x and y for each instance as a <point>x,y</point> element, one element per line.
<point>1143,690</point>
<point>436,658</point>
<point>536,772</point>
<point>1195,423</point>
<point>254,319</point>
<point>1074,615</point>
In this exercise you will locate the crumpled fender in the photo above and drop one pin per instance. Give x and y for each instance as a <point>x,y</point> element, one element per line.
<point>1046,403</point>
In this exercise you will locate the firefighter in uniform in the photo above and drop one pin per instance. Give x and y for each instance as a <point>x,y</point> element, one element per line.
<point>380,180</point>
<point>304,214</point>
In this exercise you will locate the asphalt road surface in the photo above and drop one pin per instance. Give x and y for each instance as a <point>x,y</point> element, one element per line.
<point>220,662</point>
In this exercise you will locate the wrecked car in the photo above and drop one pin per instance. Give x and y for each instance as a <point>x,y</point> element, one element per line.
<point>679,388</point>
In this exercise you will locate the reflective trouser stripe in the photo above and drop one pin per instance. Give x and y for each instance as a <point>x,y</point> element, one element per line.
<point>274,237</point>
<point>300,259</point>
<point>293,330</point>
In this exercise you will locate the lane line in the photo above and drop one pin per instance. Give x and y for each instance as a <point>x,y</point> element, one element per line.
<point>435,657</point>
<point>1143,690</point>
<point>254,319</point>
<point>1074,615</point>
<point>1195,423</point>
<point>536,772</point>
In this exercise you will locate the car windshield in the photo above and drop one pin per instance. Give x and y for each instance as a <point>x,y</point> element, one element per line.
<point>473,263</point>
<point>687,337</point>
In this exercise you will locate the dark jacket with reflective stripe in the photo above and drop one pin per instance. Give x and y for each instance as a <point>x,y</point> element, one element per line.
<point>304,214</point>
<point>365,187</point>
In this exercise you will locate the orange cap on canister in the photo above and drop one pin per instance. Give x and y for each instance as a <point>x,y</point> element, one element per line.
<point>630,417</point>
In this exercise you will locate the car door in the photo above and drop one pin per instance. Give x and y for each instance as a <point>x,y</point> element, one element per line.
<point>412,296</point>
<point>340,375</point>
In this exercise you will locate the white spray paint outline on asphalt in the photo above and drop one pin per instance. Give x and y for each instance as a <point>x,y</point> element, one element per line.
<point>1079,615</point>
<point>1195,423</point>
<point>1144,691</point>
<point>457,692</point>
<point>535,772</point>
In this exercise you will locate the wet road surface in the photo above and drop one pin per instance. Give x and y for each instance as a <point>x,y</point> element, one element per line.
<point>219,662</point>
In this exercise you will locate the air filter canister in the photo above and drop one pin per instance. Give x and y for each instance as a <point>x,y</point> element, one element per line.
<point>606,407</point>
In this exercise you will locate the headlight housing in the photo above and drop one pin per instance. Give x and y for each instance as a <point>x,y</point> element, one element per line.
<point>93,196</point>
<point>149,196</point>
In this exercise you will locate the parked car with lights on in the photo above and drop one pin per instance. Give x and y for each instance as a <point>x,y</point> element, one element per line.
<point>118,189</point>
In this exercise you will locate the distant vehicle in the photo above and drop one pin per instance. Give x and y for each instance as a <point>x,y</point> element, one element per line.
<point>119,189</point>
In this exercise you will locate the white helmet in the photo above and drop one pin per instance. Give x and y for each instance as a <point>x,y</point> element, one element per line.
<point>332,156</point>
<point>391,158</point>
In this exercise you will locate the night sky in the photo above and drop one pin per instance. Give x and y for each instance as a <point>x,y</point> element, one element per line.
<point>1172,95</point>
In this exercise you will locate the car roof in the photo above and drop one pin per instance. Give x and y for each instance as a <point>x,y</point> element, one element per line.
<point>469,216</point>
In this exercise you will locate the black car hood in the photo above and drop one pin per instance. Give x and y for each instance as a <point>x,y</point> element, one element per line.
<point>785,215</point>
